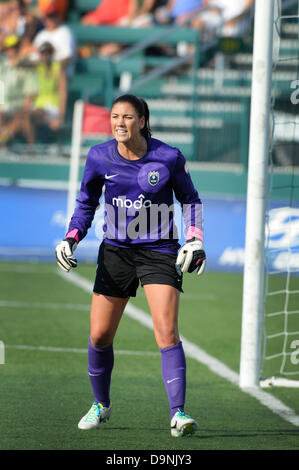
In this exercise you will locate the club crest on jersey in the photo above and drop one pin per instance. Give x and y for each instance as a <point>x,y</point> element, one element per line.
<point>153,177</point>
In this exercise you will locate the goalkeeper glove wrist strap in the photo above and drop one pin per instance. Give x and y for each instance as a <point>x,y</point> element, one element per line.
<point>193,233</point>
<point>74,233</point>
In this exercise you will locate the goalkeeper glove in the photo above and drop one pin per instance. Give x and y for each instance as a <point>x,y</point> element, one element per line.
<point>64,254</point>
<point>192,257</point>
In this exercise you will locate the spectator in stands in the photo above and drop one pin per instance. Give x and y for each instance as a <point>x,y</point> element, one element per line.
<point>26,26</point>
<point>7,14</point>
<point>49,106</point>
<point>178,11</point>
<point>20,89</point>
<point>61,38</point>
<point>108,12</point>
<point>135,13</point>
<point>142,13</point>
<point>138,13</point>
<point>230,18</point>
<point>48,6</point>
<point>6,6</point>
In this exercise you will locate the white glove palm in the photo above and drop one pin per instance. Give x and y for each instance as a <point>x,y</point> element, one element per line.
<point>64,254</point>
<point>192,257</point>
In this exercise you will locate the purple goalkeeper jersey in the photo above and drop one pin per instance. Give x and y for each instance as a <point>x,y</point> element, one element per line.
<point>139,197</point>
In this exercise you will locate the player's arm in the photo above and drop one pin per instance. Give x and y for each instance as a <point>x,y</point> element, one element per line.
<point>191,257</point>
<point>87,203</point>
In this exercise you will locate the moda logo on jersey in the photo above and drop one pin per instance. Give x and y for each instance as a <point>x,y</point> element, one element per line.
<point>122,201</point>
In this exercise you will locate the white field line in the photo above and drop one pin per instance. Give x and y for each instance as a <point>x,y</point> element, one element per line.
<point>78,350</point>
<point>195,352</point>
<point>42,305</point>
<point>31,269</point>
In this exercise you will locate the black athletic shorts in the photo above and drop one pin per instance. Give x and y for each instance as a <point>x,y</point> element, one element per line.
<point>120,270</point>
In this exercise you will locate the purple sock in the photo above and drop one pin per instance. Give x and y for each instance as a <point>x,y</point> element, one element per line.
<point>100,365</point>
<point>173,364</point>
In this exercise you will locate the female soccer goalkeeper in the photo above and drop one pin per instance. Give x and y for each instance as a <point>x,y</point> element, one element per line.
<point>140,243</point>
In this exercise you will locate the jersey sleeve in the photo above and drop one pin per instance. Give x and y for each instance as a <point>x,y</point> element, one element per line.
<point>188,197</point>
<point>88,200</point>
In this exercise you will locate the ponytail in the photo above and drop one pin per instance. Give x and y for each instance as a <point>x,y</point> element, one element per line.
<point>146,131</point>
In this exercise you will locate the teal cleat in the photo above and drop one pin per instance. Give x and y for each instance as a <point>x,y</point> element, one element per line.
<point>96,415</point>
<point>182,425</point>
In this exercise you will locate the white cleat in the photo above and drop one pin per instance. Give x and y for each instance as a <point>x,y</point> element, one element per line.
<point>182,425</point>
<point>96,415</point>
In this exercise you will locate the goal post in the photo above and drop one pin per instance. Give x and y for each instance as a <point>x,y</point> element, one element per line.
<point>89,121</point>
<point>74,159</point>
<point>252,307</point>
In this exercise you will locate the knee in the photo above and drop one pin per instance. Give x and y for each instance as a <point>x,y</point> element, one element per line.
<point>166,338</point>
<point>101,340</point>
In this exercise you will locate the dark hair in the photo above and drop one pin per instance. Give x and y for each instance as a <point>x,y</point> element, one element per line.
<point>46,47</point>
<point>141,107</point>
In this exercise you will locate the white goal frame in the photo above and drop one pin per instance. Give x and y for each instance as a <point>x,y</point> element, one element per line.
<point>257,191</point>
<point>259,140</point>
<point>74,160</point>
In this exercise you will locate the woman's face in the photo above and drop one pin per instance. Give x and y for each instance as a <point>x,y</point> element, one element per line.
<point>126,123</point>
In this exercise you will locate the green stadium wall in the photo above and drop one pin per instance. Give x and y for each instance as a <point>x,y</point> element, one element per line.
<point>229,182</point>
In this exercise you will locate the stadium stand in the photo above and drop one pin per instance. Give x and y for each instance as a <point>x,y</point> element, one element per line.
<point>209,95</point>
<point>174,92</point>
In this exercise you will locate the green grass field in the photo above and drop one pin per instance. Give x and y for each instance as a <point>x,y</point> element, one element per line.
<point>44,386</point>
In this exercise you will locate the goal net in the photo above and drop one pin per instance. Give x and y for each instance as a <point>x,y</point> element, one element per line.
<point>280,342</point>
<point>270,312</point>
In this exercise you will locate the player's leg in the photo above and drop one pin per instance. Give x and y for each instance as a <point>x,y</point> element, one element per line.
<point>115,282</point>
<point>105,316</point>
<point>163,302</point>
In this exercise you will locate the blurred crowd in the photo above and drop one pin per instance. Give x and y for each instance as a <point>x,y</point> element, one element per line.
<point>204,14</point>
<point>38,50</point>
<point>226,17</point>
